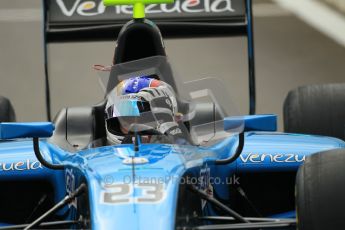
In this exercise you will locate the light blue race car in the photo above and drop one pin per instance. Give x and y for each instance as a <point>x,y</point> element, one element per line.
<point>216,169</point>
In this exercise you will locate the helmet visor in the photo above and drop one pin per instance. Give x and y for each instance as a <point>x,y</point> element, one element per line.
<point>127,108</point>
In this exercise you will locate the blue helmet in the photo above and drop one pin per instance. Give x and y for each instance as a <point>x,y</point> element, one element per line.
<point>132,101</point>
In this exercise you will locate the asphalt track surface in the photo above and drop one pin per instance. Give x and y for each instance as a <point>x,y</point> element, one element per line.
<point>289,53</point>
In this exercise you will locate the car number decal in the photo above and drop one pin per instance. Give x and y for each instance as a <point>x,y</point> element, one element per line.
<point>124,193</point>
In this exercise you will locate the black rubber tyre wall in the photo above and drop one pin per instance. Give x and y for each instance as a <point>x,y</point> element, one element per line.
<point>316,109</point>
<point>6,110</point>
<point>320,191</point>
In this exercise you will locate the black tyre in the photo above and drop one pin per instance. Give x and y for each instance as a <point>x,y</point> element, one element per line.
<point>316,109</point>
<point>320,191</point>
<point>6,110</point>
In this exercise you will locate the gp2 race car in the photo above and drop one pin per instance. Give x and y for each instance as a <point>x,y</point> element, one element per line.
<point>228,172</point>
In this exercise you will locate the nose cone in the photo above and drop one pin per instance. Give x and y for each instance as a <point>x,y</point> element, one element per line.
<point>133,194</point>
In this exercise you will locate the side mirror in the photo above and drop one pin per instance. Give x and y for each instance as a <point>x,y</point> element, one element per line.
<point>266,122</point>
<point>35,130</point>
<point>13,130</point>
<point>247,123</point>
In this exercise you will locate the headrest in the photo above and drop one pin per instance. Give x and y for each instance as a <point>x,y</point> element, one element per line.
<point>139,38</point>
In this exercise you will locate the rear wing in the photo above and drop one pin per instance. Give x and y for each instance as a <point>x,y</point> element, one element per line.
<point>89,20</point>
<point>80,20</point>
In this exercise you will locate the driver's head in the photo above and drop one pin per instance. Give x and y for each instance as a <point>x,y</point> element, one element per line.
<point>138,100</point>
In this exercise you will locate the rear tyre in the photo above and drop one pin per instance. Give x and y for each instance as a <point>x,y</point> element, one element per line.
<point>316,109</point>
<point>320,191</point>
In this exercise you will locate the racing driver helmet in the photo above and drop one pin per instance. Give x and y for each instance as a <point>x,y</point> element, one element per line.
<point>132,101</point>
